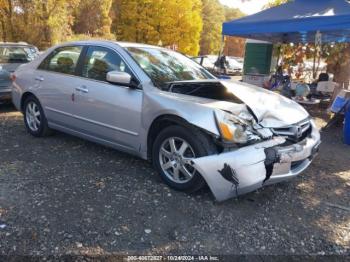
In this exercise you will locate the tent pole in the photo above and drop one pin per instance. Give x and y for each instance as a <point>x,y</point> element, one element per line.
<point>318,43</point>
<point>314,63</point>
<point>279,55</point>
<point>222,45</point>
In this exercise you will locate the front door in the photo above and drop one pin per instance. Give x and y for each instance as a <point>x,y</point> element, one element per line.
<point>107,111</point>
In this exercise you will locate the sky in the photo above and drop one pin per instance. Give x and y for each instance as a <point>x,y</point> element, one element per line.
<point>248,7</point>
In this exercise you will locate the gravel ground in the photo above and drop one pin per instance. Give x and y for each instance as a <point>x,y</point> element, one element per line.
<point>62,195</point>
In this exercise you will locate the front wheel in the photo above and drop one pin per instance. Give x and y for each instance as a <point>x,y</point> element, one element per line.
<point>173,152</point>
<point>34,118</point>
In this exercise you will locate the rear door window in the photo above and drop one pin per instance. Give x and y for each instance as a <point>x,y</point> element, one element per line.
<point>62,60</point>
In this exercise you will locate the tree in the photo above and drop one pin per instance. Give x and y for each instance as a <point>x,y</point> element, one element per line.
<point>234,46</point>
<point>137,20</point>
<point>49,15</point>
<point>213,16</point>
<point>338,62</point>
<point>273,3</point>
<point>166,22</point>
<point>6,16</point>
<point>92,17</point>
<point>41,22</point>
<point>176,23</point>
<point>181,24</point>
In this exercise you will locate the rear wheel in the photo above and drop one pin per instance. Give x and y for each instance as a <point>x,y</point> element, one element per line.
<point>173,152</point>
<point>34,118</point>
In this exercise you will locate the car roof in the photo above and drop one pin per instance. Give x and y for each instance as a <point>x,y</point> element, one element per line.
<point>15,44</point>
<point>129,44</point>
<point>109,42</point>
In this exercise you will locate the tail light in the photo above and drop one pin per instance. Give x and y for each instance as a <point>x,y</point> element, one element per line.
<point>13,77</point>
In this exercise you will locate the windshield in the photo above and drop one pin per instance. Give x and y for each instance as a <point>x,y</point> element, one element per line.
<point>166,66</point>
<point>17,54</point>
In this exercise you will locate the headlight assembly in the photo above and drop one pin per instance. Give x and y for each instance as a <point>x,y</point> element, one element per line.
<point>232,128</point>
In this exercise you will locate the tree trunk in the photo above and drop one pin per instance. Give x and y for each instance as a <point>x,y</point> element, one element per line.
<point>3,29</point>
<point>10,20</point>
<point>46,28</point>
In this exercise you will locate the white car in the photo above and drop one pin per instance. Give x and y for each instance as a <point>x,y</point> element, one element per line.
<point>235,67</point>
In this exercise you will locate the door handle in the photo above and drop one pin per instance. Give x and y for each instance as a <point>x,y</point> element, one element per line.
<point>39,78</point>
<point>82,89</point>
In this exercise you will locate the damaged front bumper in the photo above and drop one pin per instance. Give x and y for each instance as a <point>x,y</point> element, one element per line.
<point>246,169</point>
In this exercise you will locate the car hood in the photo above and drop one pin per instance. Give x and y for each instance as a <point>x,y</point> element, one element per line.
<point>270,109</point>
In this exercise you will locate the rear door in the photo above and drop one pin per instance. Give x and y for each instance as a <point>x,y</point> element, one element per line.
<point>107,111</point>
<point>55,81</point>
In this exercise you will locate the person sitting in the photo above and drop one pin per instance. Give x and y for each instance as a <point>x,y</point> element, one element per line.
<point>323,77</point>
<point>323,87</point>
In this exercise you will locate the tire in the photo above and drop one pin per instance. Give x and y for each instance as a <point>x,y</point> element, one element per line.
<point>34,118</point>
<point>199,145</point>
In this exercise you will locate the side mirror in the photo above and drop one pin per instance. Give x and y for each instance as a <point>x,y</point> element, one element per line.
<point>120,78</point>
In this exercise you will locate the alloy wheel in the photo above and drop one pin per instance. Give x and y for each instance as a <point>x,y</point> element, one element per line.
<point>175,157</point>
<point>33,116</point>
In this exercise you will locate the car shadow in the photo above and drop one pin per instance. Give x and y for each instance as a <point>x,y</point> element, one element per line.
<point>7,107</point>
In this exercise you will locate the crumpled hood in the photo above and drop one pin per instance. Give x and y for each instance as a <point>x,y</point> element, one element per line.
<point>271,109</point>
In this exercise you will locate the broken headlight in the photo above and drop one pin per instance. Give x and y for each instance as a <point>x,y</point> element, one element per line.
<point>235,129</point>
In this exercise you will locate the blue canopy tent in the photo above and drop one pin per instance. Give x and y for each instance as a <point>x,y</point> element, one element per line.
<point>297,21</point>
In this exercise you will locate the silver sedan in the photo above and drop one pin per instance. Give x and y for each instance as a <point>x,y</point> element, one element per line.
<point>163,107</point>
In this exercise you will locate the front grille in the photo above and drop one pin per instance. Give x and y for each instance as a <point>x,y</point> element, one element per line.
<point>295,133</point>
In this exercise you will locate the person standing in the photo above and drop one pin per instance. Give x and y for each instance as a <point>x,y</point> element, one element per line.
<point>223,64</point>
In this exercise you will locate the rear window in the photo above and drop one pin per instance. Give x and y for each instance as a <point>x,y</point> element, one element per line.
<point>17,54</point>
<point>62,60</point>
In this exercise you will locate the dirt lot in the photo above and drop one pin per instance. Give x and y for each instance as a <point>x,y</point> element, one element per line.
<point>63,195</point>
